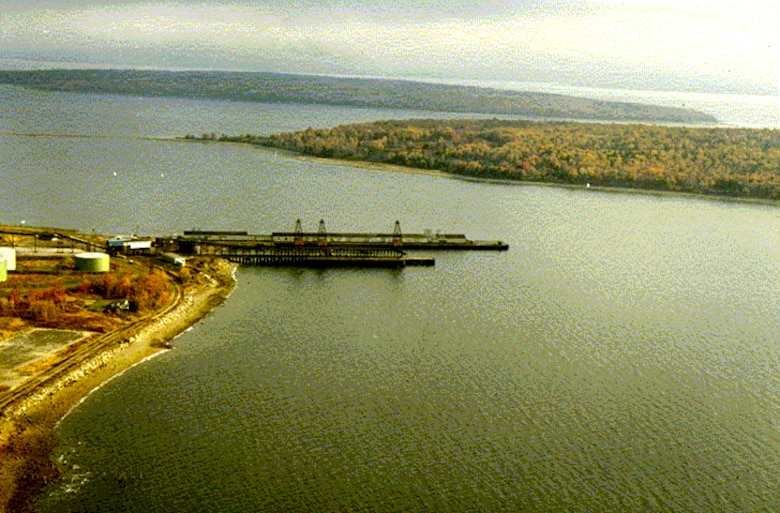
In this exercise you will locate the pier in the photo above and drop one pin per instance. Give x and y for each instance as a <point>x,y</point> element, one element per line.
<point>324,249</point>
<point>297,248</point>
<point>318,256</point>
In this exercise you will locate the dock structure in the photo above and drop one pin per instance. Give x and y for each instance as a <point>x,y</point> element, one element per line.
<point>321,256</point>
<point>325,249</point>
<point>427,240</point>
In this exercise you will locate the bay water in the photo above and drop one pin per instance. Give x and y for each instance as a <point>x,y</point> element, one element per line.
<point>623,355</point>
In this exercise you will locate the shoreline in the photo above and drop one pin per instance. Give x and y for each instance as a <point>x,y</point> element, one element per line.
<point>395,168</point>
<point>382,166</point>
<point>27,428</point>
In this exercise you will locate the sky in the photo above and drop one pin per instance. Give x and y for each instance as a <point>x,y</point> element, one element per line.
<point>684,45</point>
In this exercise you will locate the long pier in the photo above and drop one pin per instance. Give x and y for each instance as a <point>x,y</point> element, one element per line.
<point>448,241</point>
<point>317,256</point>
<point>427,241</point>
<point>324,249</point>
<point>296,248</point>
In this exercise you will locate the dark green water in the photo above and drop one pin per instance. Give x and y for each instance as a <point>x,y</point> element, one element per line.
<point>624,355</point>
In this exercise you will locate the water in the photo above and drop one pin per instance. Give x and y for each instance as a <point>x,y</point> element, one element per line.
<point>740,110</point>
<point>622,356</point>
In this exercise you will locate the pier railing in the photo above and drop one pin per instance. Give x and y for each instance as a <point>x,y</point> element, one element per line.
<point>317,256</point>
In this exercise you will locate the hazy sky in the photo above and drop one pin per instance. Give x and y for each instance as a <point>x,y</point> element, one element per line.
<point>664,44</point>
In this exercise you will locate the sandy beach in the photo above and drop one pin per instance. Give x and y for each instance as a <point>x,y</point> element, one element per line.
<point>27,426</point>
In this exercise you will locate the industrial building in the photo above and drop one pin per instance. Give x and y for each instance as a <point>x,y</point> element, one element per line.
<point>129,244</point>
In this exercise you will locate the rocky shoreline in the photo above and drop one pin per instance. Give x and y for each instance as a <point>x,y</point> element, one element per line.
<point>27,427</point>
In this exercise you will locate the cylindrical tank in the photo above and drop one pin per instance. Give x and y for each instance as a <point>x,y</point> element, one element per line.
<point>9,255</point>
<point>93,262</point>
<point>3,271</point>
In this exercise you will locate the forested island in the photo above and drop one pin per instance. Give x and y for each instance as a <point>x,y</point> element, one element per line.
<point>350,92</point>
<point>732,162</point>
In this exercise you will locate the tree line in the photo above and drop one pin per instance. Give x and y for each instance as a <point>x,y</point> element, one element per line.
<point>732,162</point>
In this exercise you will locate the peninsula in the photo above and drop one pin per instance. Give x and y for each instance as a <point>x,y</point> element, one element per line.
<point>63,333</point>
<point>276,88</point>
<point>727,162</point>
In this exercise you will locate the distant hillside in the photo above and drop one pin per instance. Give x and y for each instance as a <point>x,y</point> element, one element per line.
<point>350,92</point>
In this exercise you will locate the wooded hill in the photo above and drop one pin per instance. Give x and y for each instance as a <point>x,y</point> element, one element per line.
<point>351,92</point>
<point>720,161</point>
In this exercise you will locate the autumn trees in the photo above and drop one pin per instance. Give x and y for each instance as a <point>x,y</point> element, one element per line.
<point>145,292</point>
<point>721,161</point>
<point>64,298</point>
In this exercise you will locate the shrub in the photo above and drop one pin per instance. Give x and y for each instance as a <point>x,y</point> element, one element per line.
<point>43,310</point>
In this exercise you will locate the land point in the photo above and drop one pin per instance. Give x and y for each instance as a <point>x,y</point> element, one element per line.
<point>65,330</point>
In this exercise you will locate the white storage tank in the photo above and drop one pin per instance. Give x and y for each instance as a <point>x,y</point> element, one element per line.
<point>93,262</point>
<point>9,255</point>
<point>3,271</point>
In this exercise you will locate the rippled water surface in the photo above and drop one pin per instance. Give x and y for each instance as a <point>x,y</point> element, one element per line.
<point>623,355</point>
